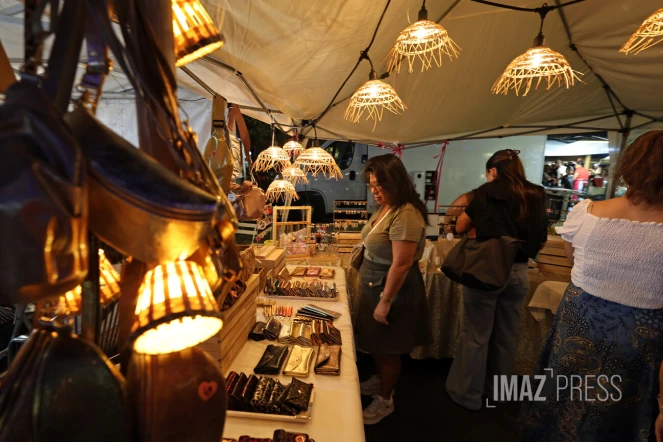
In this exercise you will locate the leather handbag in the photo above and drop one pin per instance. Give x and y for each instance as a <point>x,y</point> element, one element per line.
<point>43,193</point>
<point>481,264</point>
<point>177,396</point>
<point>43,398</point>
<point>250,206</point>
<point>329,360</point>
<point>299,363</point>
<point>272,360</point>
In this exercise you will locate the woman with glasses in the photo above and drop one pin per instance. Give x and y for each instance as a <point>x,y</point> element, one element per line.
<point>393,315</point>
<point>507,205</point>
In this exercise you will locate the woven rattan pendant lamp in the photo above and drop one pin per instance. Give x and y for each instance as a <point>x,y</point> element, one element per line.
<point>273,157</point>
<point>424,40</point>
<point>175,309</point>
<point>281,189</point>
<point>373,97</point>
<point>315,160</point>
<point>295,175</point>
<point>647,35</point>
<point>539,63</point>
<point>194,31</point>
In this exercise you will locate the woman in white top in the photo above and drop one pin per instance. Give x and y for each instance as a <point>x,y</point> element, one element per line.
<point>604,352</point>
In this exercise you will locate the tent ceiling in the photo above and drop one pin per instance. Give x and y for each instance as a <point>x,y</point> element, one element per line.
<point>295,54</point>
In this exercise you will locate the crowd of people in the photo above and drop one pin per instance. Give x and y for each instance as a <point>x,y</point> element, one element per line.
<point>609,325</point>
<point>574,176</point>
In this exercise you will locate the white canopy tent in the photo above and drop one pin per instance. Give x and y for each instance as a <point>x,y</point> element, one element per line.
<point>285,59</point>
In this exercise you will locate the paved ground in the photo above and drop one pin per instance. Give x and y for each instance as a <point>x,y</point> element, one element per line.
<point>424,412</point>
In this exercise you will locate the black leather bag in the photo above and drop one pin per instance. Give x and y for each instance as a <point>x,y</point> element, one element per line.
<point>481,264</point>
<point>258,332</point>
<point>272,360</point>
<point>44,398</point>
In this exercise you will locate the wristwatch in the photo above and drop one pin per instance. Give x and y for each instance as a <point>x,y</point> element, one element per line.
<point>386,298</point>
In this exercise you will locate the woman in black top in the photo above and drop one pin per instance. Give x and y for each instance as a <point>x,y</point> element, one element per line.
<point>507,205</point>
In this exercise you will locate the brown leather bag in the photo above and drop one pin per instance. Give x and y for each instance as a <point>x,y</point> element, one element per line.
<point>178,397</point>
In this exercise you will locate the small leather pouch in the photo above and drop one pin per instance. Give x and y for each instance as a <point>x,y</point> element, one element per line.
<point>272,329</point>
<point>298,395</point>
<point>231,381</point>
<point>258,331</point>
<point>262,394</point>
<point>249,391</point>
<point>329,360</point>
<point>272,360</point>
<point>273,405</point>
<point>333,334</point>
<point>285,436</point>
<point>299,362</point>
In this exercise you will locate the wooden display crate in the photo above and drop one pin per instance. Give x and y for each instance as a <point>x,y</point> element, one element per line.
<point>271,258</point>
<point>237,323</point>
<point>552,258</point>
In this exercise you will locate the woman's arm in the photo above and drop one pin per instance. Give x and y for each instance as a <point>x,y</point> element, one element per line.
<point>464,223</point>
<point>404,253</point>
<point>568,247</point>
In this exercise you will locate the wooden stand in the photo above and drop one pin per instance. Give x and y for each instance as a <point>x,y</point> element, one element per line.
<point>552,258</point>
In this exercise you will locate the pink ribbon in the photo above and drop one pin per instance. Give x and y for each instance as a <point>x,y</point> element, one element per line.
<point>396,149</point>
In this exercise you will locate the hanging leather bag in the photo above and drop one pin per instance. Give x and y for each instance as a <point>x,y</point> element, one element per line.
<point>43,194</point>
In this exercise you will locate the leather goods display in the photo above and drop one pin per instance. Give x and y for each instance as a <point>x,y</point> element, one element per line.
<point>484,265</point>
<point>268,395</point>
<point>272,329</point>
<point>43,193</point>
<point>177,396</point>
<point>258,332</point>
<point>285,436</point>
<point>282,286</point>
<point>299,362</point>
<point>272,360</point>
<point>329,360</point>
<point>42,398</point>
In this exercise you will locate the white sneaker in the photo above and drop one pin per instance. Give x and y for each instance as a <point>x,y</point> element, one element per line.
<point>371,387</point>
<point>378,410</point>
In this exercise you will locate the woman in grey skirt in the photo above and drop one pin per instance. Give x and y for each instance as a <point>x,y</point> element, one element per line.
<point>393,316</point>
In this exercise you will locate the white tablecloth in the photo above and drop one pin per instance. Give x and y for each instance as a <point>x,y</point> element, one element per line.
<point>547,297</point>
<point>337,411</point>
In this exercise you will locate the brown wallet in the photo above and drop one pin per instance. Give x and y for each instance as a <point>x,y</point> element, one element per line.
<point>329,360</point>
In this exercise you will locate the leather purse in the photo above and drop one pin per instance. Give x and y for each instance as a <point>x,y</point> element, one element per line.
<point>249,390</point>
<point>297,395</point>
<point>43,192</point>
<point>250,206</point>
<point>329,360</point>
<point>258,332</point>
<point>253,439</point>
<point>231,381</point>
<point>285,436</point>
<point>262,394</point>
<point>273,404</point>
<point>177,396</point>
<point>272,329</point>
<point>236,395</point>
<point>299,363</point>
<point>481,264</point>
<point>43,398</point>
<point>272,360</point>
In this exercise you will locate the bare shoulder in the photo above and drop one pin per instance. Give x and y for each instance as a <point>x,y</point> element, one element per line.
<point>622,208</point>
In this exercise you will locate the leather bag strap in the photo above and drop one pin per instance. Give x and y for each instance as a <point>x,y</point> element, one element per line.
<point>235,117</point>
<point>7,77</point>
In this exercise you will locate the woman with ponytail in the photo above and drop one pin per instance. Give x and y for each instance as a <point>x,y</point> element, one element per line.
<point>507,205</point>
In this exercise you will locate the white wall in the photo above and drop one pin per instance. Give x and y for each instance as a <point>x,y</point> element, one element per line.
<point>464,166</point>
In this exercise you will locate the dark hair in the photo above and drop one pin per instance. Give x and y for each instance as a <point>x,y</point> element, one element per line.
<point>641,168</point>
<point>392,176</point>
<point>529,199</point>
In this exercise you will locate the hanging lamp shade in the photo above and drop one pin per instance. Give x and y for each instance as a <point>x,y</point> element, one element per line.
<point>315,160</point>
<point>194,31</point>
<point>109,289</point>
<point>280,190</point>
<point>295,175</point>
<point>423,40</point>
<point>175,309</point>
<point>373,97</point>
<point>537,64</point>
<point>271,158</point>
<point>647,35</point>
<point>293,146</point>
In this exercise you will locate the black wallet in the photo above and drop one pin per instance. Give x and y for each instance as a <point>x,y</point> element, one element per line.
<point>258,331</point>
<point>297,395</point>
<point>272,329</point>
<point>272,360</point>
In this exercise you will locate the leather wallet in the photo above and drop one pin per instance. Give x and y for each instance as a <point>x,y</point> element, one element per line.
<point>298,395</point>
<point>253,439</point>
<point>272,329</point>
<point>329,360</point>
<point>273,405</point>
<point>272,360</point>
<point>285,436</point>
<point>231,381</point>
<point>249,390</point>
<point>258,331</point>
<point>236,402</point>
<point>299,362</point>
<point>262,394</point>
